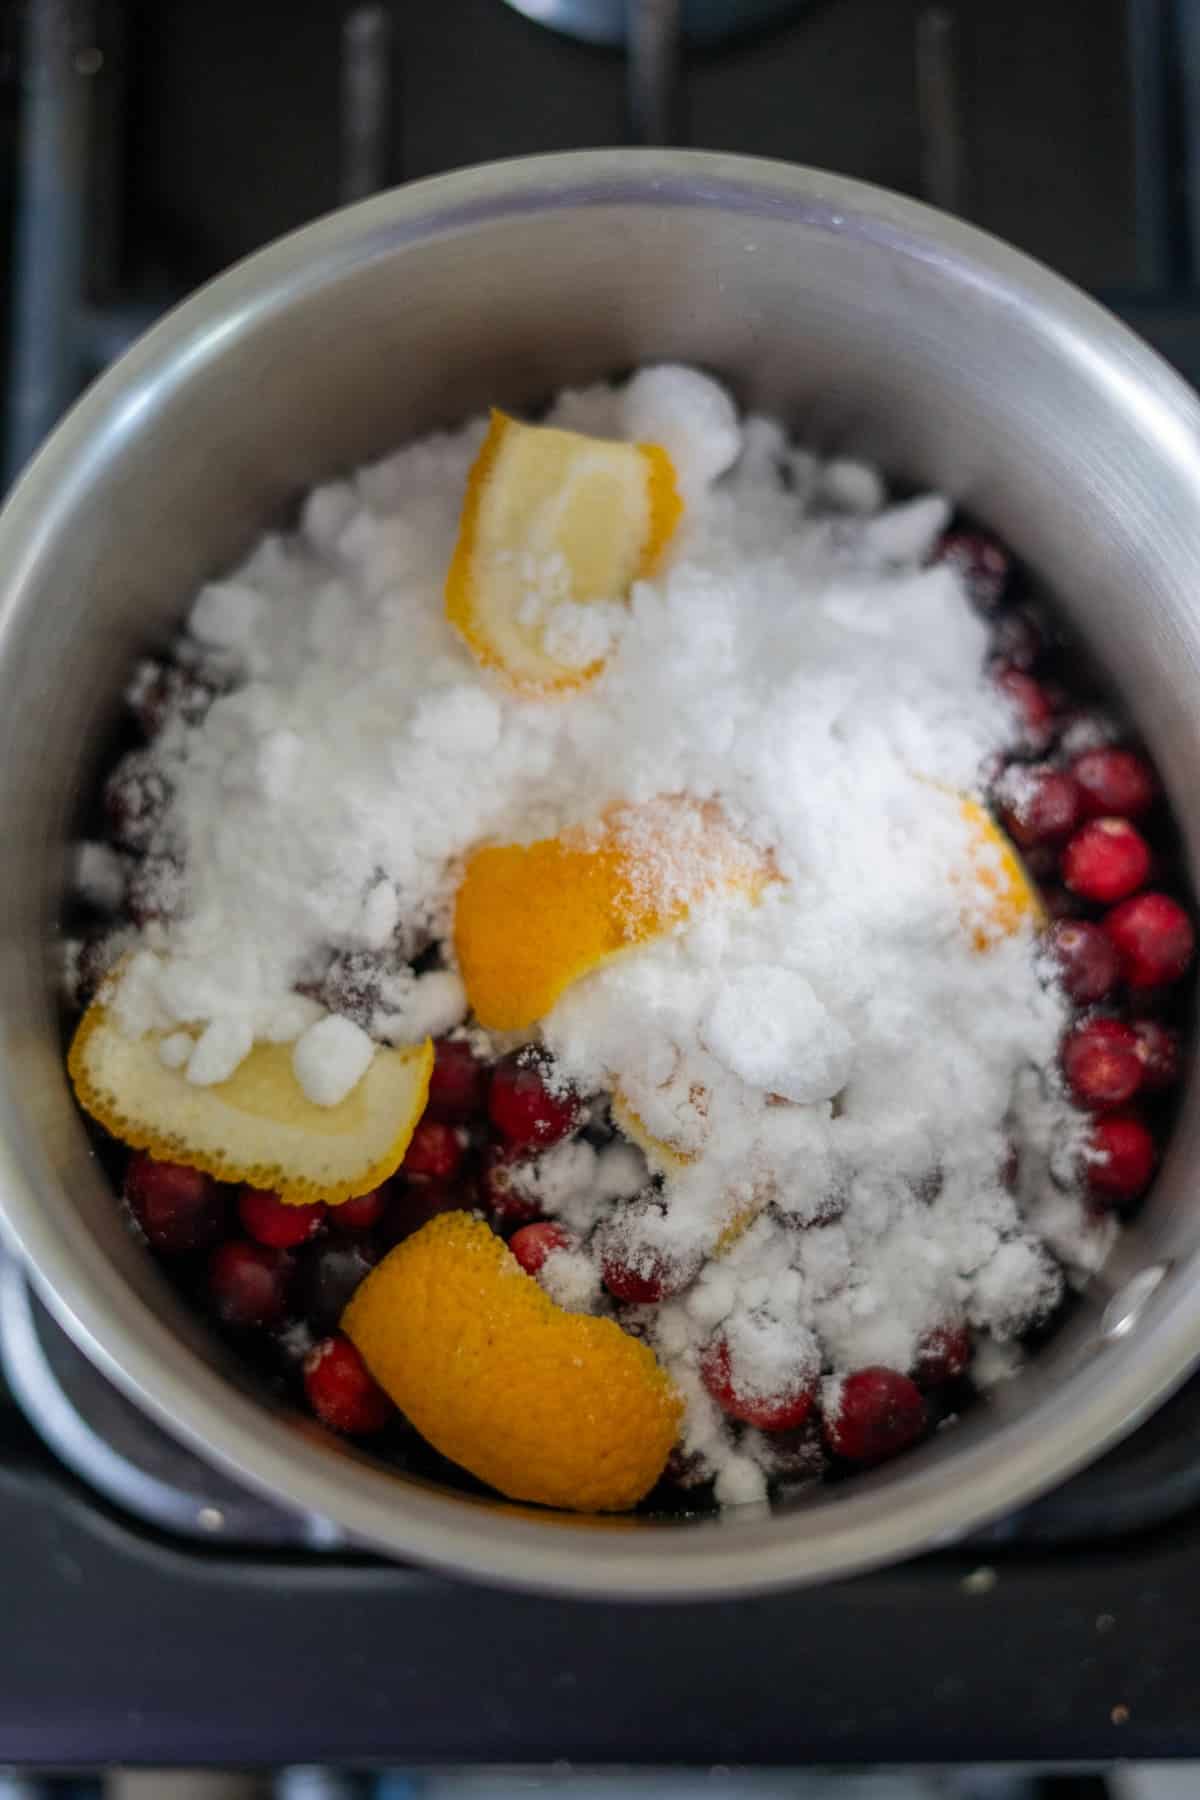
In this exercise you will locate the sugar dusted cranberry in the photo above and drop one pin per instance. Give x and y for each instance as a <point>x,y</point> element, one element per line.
<point>1101,1063</point>
<point>501,1189</point>
<point>784,1411</point>
<point>1120,1159</point>
<point>342,1391</point>
<point>1039,806</point>
<point>1158,1048</point>
<point>1085,959</point>
<point>1018,638</point>
<point>637,1270</point>
<point>982,564</point>
<point>435,1150</point>
<point>361,1213</point>
<point>525,1107</point>
<point>178,1208</point>
<point>1106,860</point>
<point>1153,938</point>
<point>329,1276</point>
<point>1031,703</point>
<point>942,1355</point>
<point>136,797</point>
<point>1114,783</point>
<point>162,692</point>
<point>874,1414</point>
<point>534,1243</point>
<point>458,1084</point>
<point>156,889</point>
<point>248,1284</point>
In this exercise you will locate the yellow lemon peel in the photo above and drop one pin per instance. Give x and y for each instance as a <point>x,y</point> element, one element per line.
<point>259,1126</point>
<point>552,516</point>
<point>544,1405</point>
<point>530,919</point>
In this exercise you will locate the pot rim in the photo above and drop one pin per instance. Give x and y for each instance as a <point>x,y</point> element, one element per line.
<point>918,1508</point>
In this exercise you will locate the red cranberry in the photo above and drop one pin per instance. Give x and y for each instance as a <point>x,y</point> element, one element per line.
<point>415,1203</point>
<point>360,1213</point>
<point>774,1412</point>
<point>1114,783</point>
<point>524,1108</point>
<point>1086,961</point>
<point>435,1150</point>
<point>942,1355</point>
<point>1031,703</point>
<point>342,1391</point>
<point>457,1085</point>
<point>981,563</point>
<point>534,1243</point>
<point>1105,860</point>
<point>501,1191</point>
<point>877,1413</point>
<point>1158,1048</point>
<point>1039,806</point>
<point>1060,902</point>
<point>1101,1063</point>
<point>1153,937</point>
<point>270,1221</point>
<point>177,1207</point>
<point>248,1283</point>
<point>330,1275</point>
<point>1121,1159</point>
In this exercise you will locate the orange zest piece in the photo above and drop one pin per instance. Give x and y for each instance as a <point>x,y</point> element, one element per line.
<point>544,1405</point>
<point>551,517</point>
<point>532,918</point>
<point>1011,897</point>
<point>258,1127</point>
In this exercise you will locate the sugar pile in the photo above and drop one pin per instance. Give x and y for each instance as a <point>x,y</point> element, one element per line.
<point>838,1057</point>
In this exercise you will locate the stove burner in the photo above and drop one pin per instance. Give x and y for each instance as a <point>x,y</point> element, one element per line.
<point>704,22</point>
<point>120,1453</point>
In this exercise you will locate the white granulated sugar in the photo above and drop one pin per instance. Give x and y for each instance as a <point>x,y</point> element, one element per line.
<point>331,1058</point>
<point>572,1280</point>
<point>833,1072</point>
<point>428,1005</point>
<point>851,487</point>
<point>768,1027</point>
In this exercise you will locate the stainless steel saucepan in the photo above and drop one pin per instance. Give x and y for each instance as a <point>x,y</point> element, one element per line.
<point>875,327</point>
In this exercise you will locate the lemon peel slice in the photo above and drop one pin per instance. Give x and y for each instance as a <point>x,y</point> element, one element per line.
<point>530,919</point>
<point>549,517</point>
<point>1012,897</point>
<point>259,1126</point>
<point>544,1405</point>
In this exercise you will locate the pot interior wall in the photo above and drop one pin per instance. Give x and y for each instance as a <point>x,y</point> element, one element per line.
<point>864,338</point>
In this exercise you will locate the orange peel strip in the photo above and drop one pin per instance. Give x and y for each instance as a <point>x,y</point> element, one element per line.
<point>530,919</point>
<point>543,1405</point>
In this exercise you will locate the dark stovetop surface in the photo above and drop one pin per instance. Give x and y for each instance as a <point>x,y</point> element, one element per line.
<point>1067,1632</point>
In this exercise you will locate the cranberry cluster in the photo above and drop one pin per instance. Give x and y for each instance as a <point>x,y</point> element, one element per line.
<point>277,1274</point>
<point>1087,815</point>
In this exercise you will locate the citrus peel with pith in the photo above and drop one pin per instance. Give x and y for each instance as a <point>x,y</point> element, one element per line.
<point>544,1405</point>
<point>259,1126</point>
